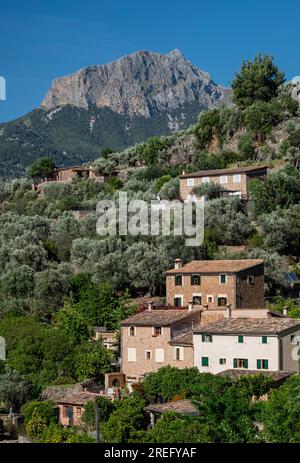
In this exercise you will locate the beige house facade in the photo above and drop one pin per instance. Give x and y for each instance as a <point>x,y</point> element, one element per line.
<point>234,180</point>
<point>156,338</point>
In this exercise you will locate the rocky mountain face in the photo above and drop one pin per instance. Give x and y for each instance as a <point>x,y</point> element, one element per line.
<point>140,84</point>
<point>116,104</point>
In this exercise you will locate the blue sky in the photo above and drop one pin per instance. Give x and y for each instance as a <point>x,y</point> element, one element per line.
<point>41,40</point>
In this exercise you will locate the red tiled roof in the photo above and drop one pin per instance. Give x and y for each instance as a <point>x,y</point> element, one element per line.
<point>231,170</point>
<point>216,266</point>
<point>185,339</point>
<point>248,326</point>
<point>184,407</point>
<point>157,317</point>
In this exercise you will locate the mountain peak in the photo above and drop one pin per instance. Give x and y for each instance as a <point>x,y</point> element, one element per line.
<point>141,84</point>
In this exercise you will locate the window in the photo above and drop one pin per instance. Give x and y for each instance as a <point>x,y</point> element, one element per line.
<point>132,331</point>
<point>240,363</point>
<point>197,300</point>
<point>223,179</point>
<point>205,180</point>
<point>210,299</point>
<point>157,331</point>
<point>262,364</point>
<point>195,280</point>
<point>240,339</point>
<point>178,280</point>
<point>204,361</point>
<point>222,361</point>
<point>264,339</point>
<point>223,279</point>
<point>207,338</point>
<point>295,340</point>
<point>148,355</point>
<point>251,279</point>
<point>78,411</point>
<point>131,354</point>
<point>179,353</point>
<point>222,301</point>
<point>178,301</point>
<point>236,179</point>
<point>190,182</point>
<point>159,355</point>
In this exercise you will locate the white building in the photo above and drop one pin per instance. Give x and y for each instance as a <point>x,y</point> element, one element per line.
<point>247,344</point>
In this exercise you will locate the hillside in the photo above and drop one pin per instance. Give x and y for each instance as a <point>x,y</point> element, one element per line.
<point>117,105</point>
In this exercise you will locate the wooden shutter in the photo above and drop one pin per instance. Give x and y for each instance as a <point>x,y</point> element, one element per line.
<point>235,363</point>
<point>259,364</point>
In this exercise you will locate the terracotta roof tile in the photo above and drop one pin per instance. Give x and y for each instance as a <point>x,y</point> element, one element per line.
<point>184,339</point>
<point>185,407</point>
<point>216,266</point>
<point>275,375</point>
<point>231,170</point>
<point>157,317</point>
<point>249,326</point>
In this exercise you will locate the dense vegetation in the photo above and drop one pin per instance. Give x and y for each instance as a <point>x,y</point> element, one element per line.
<point>229,411</point>
<point>59,279</point>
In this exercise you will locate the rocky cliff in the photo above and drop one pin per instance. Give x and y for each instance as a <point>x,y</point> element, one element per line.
<point>140,84</point>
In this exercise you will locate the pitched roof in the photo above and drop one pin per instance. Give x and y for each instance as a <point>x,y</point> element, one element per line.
<point>250,326</point>
<point>185,339</point>
<point>231,170</point>
<point>275,375</point>
<point>184,407</point>
<point>157,317</point>
<point>216,266</point>
<point>78,398</point>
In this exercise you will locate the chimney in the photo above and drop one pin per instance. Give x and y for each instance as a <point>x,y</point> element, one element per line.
<point>285,311</point>
<point>183,172</point>
<point>191,306</point>
<point>228,311</point>
<point>178,263</point>
<point>150,306</point>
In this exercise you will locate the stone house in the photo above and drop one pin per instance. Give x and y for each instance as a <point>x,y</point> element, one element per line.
<point>71,407</point>
<point>156,338</point>
<point>268,344</point>
<point>234,180</point>
<point>109,337</point>
<point>215,284</point>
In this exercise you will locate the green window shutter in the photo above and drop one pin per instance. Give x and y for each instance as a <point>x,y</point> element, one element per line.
<point>259,364</point>
<point>223,279</point>
<point>246,363</point>
<point>199,280</point>
<point>203,338</point>
<point>205,361</point>
<point>241,339</point>
<point>235,363</point>
<point>264,339</point>
<point>265,364</point>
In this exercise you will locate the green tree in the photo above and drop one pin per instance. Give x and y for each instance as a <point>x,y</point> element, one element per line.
<point>175,429</point>
<point>105,406</point>
<point>258,80</point>
<point>125,420</point>
<point>210,190</point>
<point>39,415</point>
<point>281,413</point>
<point>92,360</point>
<point>14,390</point>
<point>41,168</point>
<point>259,120</point>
